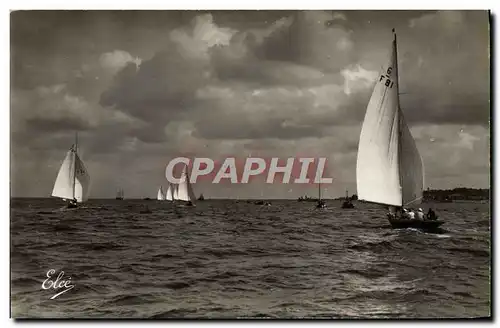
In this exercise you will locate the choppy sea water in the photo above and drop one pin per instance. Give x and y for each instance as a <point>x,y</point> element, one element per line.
<point>233,259</point>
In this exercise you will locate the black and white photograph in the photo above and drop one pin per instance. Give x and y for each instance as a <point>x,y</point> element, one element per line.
<point>250,164</point>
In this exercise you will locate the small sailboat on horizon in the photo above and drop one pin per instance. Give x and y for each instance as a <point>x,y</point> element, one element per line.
<point>389,168</point>
<point>347,202</point>
<point>321,203</point>
<point>73,181</point>
<point>161,194</point>
<point>120,194</point>
<point>184,191</point>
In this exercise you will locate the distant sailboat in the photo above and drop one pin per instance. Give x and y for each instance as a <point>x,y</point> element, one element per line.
<point>170,192</point>
<point>73,181</point>
<point>389,167</point>
<point>161,194</point>
<point>185,189</point>
<point>321,203</point>
<point>120,194</point>
<point>347,202</point>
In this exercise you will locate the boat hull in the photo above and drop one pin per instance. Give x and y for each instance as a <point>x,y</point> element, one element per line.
<point>71,205</point>
<point>417,224</point>
<point>347,205</point>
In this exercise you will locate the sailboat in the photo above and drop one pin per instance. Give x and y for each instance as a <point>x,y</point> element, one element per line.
<point>389,167</point>
<point>120,194</point>
<point>347,202</point>
<point>321,203</point>
<point>170,192</point>
<point>185,189</point>
<point>73,181</point>
<point>161,194</point>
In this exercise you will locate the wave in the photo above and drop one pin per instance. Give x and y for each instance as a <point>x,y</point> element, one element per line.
<point>174,313</point>
<point>473,251</point>
<point>374,246</point>
<point>177,285</point>
<point>223,260</point>
<point>122,300</point>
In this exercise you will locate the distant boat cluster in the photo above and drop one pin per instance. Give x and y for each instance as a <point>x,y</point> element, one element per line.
<point>120,194</point>
<point>307,199</point>
<point>183,191</point>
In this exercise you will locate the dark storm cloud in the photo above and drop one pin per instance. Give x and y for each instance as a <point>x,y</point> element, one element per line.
<point>445,69</point>
<point>163,84</point>
<point>194,58</point>
<point>462,108</point>
<point>306,49</point>
<point>44,125</point>
<point>237,129</point>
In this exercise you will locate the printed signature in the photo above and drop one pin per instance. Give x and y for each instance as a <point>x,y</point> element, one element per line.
<point>58,284</point>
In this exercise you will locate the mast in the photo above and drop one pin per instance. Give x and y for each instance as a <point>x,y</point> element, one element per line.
<point>190,191</point>
<point>319,191</point>
<point>74,164</point>
<point>400,152</point>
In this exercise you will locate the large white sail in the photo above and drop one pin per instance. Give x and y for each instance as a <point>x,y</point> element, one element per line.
<point>73,180</point>
<point>185,190</point>
<point>389,167</point>
<point>412,167</point>
<point>82,181</point>
<point>161,194</point>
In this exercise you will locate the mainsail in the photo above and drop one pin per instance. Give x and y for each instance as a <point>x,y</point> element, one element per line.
<point>161,194</point>
<point>73,180</point>
<point>185,190</point>
<point>389,167</point>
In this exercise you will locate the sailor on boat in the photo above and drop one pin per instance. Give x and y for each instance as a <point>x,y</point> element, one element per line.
<point>410,214</point>
<point>72,203</point>
<point>321,204</point>
<point>431,215</point>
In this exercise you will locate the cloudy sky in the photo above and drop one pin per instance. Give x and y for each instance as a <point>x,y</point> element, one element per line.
<point>144,87</point>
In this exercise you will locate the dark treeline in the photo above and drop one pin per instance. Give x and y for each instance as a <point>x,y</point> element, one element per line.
<point>449,195</point>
